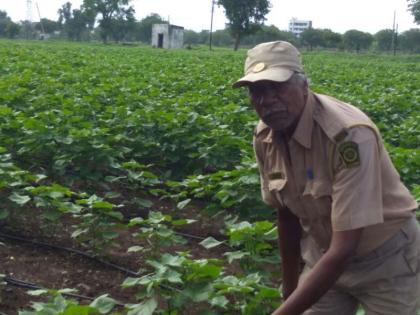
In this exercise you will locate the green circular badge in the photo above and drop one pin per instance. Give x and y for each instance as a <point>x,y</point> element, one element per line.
<point>349,153</point>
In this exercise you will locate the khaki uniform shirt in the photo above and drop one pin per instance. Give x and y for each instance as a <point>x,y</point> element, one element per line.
<point>328,186</point>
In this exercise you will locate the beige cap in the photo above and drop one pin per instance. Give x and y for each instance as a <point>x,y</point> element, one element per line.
<point>274,61</point>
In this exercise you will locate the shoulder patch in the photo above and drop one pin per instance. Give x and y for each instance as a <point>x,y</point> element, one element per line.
<point>349,154</point>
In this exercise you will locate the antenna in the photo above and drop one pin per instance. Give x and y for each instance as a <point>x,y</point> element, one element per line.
<point>29,11</point>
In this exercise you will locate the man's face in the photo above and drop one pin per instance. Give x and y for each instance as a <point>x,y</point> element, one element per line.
<point>279,104</point>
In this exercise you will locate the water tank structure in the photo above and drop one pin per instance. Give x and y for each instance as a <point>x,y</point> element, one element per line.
<point>167,36</point>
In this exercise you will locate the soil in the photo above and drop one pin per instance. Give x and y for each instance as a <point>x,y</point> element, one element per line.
<point>58,269</point>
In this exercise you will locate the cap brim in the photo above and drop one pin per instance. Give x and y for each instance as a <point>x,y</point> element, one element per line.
<point>273,74</point>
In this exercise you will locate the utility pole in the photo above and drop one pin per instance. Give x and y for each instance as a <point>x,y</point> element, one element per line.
<point>40,20</point>
<point>211,23</point>
<point>393,43</point>
<point>396,40</point>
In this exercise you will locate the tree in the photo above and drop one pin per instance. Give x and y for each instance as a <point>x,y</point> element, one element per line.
<point>414,8</point>
<point>144,27</point>
<point>191,37</point>
<point>312,37</point>
<point>48,26</point>
<point>383,39</point>
<point>111,11</point>
<point>122,25</point>
<point>357,40</point>
<point>74,23</point>
<point>221,38</point>
<point>245,17</point>
<point>7,27</point>
<point>12,30</point>
<point>332,39</point>
<point>410,40</point>
<point>4,22</point>
<point>268,34</point>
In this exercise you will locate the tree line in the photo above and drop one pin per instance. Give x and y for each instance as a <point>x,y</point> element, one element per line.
<point>94,20</point>
<point>114,20</point>
<point>352,40</point>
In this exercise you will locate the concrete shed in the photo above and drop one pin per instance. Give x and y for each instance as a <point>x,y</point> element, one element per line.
<point>167,36</point>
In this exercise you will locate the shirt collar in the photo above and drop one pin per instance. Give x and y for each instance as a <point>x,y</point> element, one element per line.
<point>303,132</point>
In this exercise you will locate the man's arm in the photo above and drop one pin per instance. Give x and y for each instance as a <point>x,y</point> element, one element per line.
<point>324,274</point>
<point>290,232</point>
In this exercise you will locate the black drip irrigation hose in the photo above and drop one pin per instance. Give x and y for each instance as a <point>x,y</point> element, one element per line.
<point>71,250</point>
<point>91,257</point>
<point>27,285</point>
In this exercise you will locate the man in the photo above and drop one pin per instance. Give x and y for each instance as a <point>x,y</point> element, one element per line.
<point>340,202</point>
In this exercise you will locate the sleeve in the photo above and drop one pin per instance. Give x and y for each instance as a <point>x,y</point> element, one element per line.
<point>266,195</point>
<point>357,189</point>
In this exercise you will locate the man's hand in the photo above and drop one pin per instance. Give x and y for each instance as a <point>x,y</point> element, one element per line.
<point>324,274</point>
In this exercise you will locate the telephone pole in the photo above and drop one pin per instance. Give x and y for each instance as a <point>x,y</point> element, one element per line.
<point>211,23</point>
<point>394,35</point>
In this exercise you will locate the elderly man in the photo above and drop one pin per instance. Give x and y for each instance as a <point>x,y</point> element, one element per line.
<point>340,202</point>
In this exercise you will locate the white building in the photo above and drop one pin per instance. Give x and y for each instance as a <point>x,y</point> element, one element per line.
<point>167,36</point>
<point>298,26</point>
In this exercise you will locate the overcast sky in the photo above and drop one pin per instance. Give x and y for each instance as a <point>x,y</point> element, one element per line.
<point>337,15</point>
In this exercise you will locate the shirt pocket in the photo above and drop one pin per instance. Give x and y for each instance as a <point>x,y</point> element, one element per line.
<point>276,187</point>
<point>317,198</point>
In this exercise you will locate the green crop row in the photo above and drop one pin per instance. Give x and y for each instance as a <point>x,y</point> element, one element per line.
<point>89,130</point>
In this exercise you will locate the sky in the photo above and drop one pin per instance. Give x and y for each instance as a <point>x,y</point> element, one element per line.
<point>337,15</point>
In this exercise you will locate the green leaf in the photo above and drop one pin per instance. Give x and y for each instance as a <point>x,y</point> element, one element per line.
<point>66,290</point>
<point>130,282</point>
<point>78,310</point>
<point>174,277</point>
<point>102,205</point>
<point>4,213</point>
<point>134,249</point>
<point>181,205</point>
<point>174,261</point>
<point>79,232</point>
<point>19,199</point>
<point>231,256</point>
<point>112,195</point>
<point>268,293</point>
<point>210,242</point>
<point>110,235</point>
<point>145,308</point>
<point>103,304</point>
<point>183,222</point>
<point>144,203</point>
<point>220,301</point>
<point>136,221</point>
<point>37,292</point>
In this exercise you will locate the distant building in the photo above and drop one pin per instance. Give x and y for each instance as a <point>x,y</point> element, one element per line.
<point>167,36</point>
<point>298,26</point>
